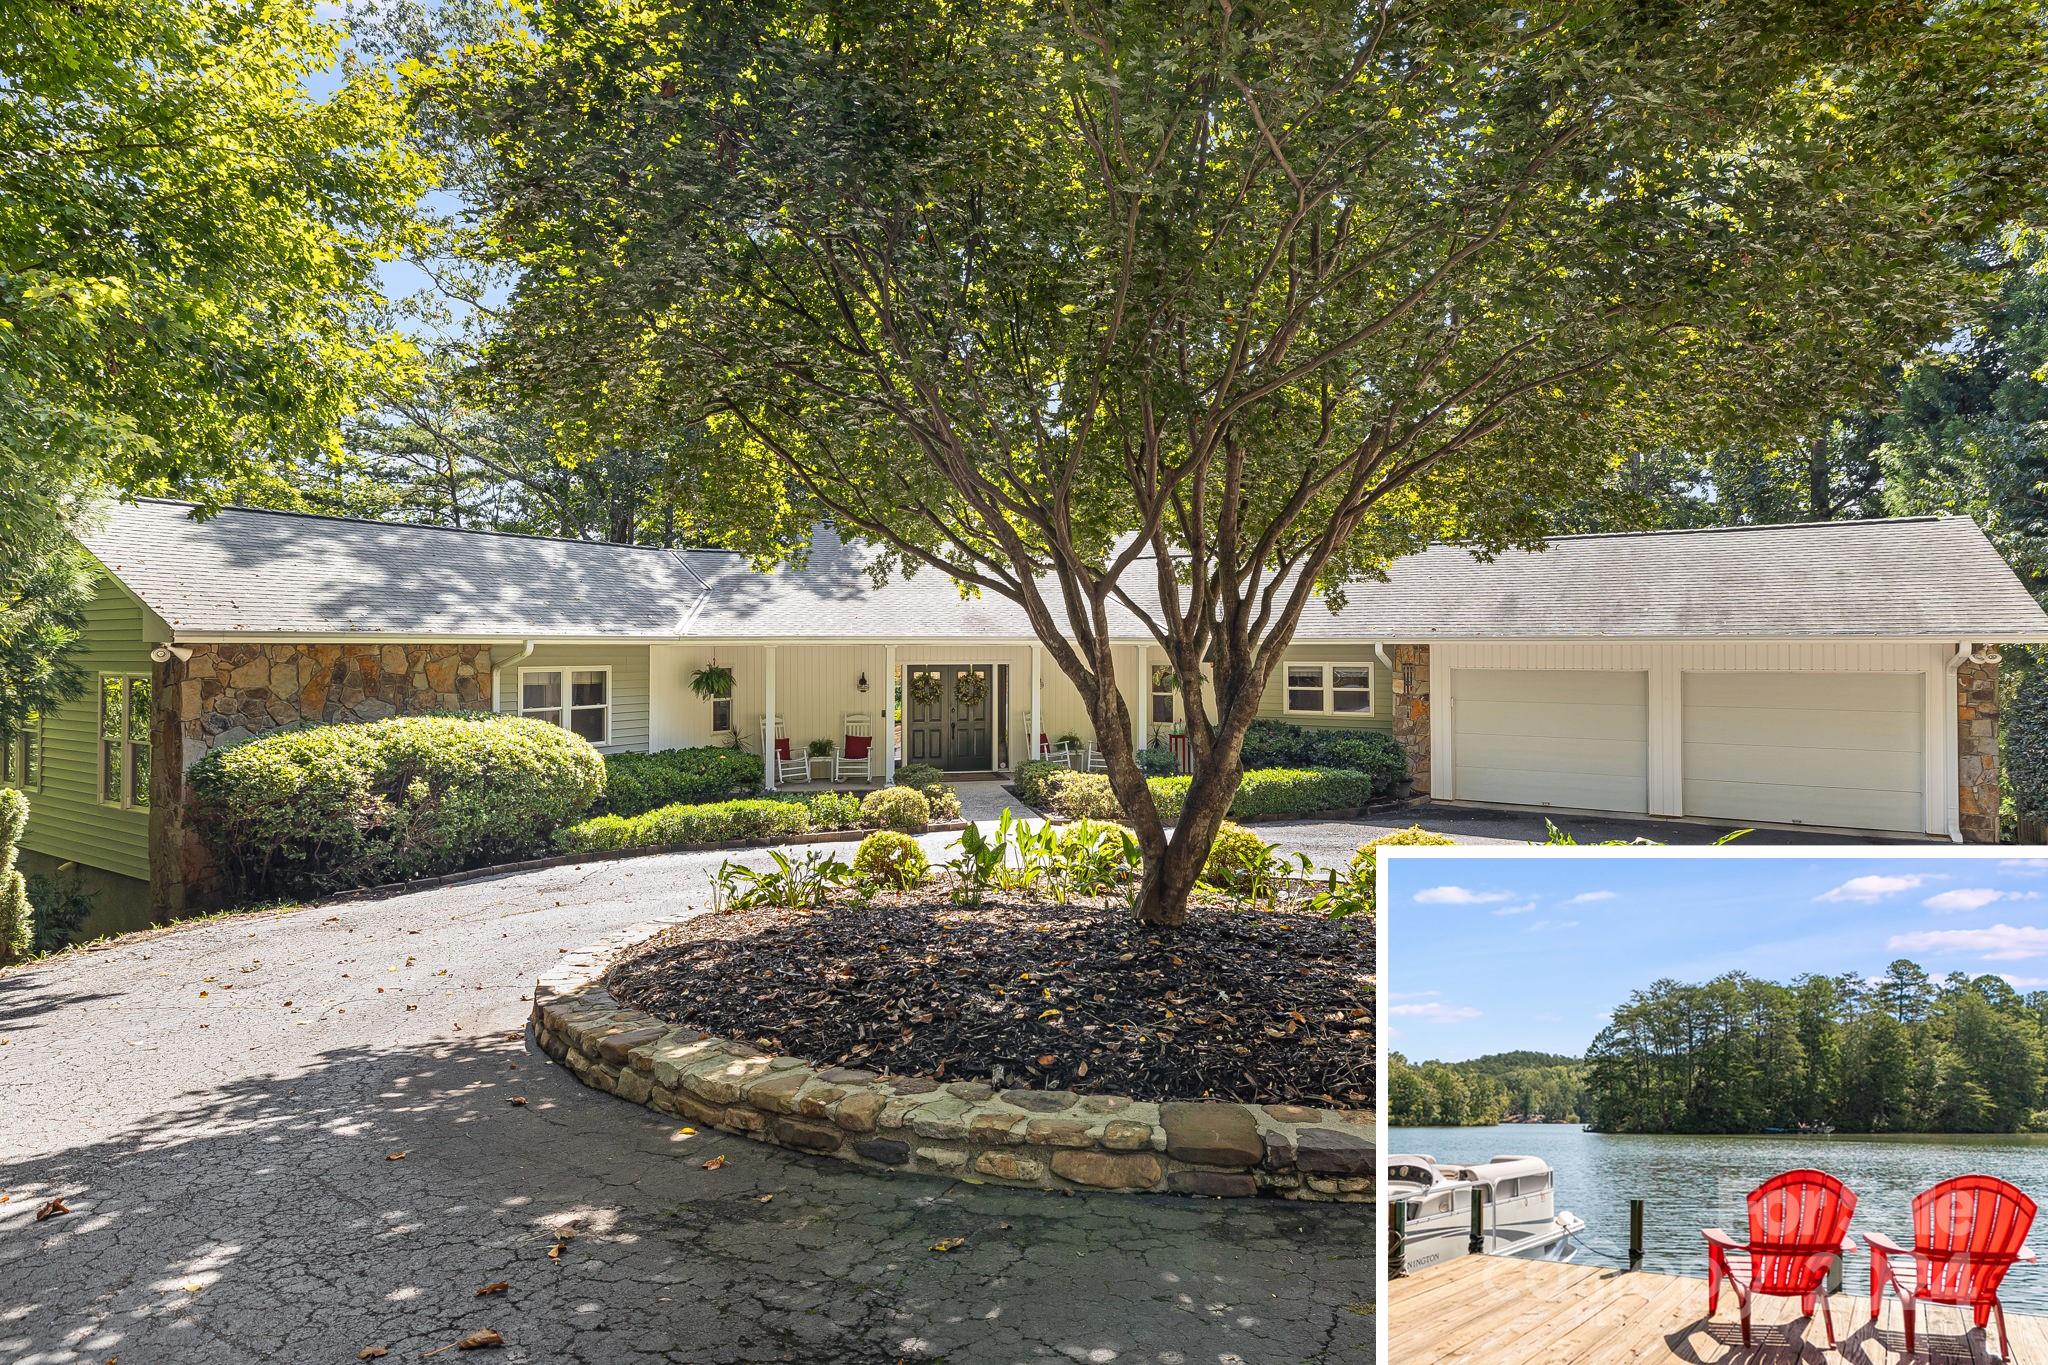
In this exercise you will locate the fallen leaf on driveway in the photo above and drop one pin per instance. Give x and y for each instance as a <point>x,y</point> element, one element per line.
<point>561,1245</point>
<point>394,1156</point>
<point>519,1100</point>
<point>686,1132</point>
<point>714,1163</point>
<point>764,1199</point>
<point>371,1353</point>
<point>494,1287</point>
<point>52,1209</point>
<point>949,1244</point>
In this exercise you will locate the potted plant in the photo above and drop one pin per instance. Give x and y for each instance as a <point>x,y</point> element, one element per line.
<point>820,751</point>
<point>712,681</point>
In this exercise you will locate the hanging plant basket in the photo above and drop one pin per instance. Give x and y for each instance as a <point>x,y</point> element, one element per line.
<point>711,682</point>
<point>925,689</point>
<point>970,688</point>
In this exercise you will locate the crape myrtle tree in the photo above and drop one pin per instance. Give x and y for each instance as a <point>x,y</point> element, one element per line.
<point>1168,320</point>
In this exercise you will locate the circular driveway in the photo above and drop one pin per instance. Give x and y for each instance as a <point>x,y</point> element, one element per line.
<point>291,1137</point>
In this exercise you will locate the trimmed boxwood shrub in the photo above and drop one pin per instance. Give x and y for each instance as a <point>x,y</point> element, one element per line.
<point>898,808</point>
<point>920,776</point>
<point>636,783</point>
<point>1158,761</point>
<point>830,810</point>
<point>1268,792</point>
<point>1283,744</point>
<point>1037,780</point>
<point>307,811</point>
<point>706,822</point>
<point>892,860</point>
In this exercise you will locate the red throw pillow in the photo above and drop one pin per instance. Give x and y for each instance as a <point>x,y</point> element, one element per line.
<point>857,746</point>
<point>782,749</point>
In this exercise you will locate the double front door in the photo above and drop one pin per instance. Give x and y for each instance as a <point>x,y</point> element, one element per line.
<point>947,710</point>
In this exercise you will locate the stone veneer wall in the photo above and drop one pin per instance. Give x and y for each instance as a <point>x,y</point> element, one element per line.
<point>1411,711</point>
<point>1046,1139</point>
<point>1978,791</point>
<point>225,694</point>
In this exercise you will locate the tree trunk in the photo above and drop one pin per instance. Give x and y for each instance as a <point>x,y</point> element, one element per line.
<point>1170,876</point>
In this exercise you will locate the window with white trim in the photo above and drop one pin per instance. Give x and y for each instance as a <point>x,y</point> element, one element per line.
<point>124,740</point>
<point>721,715</point>
<point>577,699</point>
<point>21,755</point>
<point>1164,689</point>
<point>1329,689</point>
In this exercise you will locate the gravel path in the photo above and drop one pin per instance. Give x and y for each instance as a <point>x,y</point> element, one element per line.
<point>218,1105</point>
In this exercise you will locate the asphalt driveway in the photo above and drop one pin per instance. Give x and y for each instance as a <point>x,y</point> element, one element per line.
<point>223,1108</point>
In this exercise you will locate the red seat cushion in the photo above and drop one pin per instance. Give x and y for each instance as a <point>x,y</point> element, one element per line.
<point>782,749</point>
<point>857,746</point>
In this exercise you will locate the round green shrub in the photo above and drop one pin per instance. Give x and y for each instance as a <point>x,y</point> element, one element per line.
<point>899,808</point>
<point>944,800</point>
<point>919,775</point>
<point>891,859</point>
<point>307,811</point>
<point>1158,761</point>
<point>832,810</point>
<point>1236,856</point>
<point>1086,796</point>
<point>2026,746</point>
<point>17,920</point>
<point>1365,863</point>
<point>688,823</point>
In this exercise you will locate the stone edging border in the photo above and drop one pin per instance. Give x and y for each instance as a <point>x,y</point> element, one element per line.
<point>1041,1139</point>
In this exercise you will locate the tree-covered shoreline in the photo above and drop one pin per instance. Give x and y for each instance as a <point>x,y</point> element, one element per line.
<point>1501,1087</point>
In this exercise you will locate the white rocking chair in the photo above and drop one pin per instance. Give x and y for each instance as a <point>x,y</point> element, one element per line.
<point>1098,762</point>
<point>790,766</point>
<point>856,750</point>
<point>1049,752</point>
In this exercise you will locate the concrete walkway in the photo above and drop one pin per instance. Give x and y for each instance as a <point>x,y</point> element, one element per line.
<point>219,1106</point>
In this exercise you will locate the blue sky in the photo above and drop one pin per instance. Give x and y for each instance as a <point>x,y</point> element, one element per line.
<point>1490,954</point>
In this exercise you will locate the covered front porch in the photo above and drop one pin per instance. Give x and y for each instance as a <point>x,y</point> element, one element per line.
<point>969,708</point>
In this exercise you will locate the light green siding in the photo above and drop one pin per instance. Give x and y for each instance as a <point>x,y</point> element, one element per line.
<point>628,664</point>
<point>66,819</point>
<point>1273,705</point>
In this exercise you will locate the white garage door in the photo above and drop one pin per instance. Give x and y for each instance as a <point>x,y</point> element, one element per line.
<point>1551,737</point>
<point>1815,748</point>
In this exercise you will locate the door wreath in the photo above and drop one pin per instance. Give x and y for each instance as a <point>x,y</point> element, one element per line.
<point>925,689</point>
<point>970,688</point>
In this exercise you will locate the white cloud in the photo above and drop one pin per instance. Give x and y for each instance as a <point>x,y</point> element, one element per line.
<point>1876,888</point>
<point>1412,995</point>
<point>2025,983</point>
<point>2025,864</point>
<point>1588,897</point>
<point>1522,909</point>
<point>1542,924</point>
<point>1965,898</point>
<point>1999,943</point>
<point>1435,1012</point>
<point>1458,895</point>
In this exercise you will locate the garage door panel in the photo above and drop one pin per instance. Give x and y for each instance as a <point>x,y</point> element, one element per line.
<point>1549,787</point>
<point>1839,749</point>
<point>1791,805</point>
<point>1552,737</point>
<point>1890,731</point>
<point>1549,719</point>
<point>1606,757</point>
<point>1770,691</point>
<point>1796,765</point>
<point>1585,687</point>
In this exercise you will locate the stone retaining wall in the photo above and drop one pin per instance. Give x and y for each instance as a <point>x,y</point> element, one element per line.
<point>1045,1139</point>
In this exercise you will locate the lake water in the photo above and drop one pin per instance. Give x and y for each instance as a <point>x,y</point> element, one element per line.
<point>1690,1183</point>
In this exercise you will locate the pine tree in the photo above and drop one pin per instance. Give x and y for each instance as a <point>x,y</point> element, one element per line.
<point>17,923</point>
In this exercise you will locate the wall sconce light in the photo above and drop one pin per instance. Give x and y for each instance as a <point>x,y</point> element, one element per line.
<point>862,685</point>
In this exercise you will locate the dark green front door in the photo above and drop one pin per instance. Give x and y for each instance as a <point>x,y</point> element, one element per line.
<point>948,728</point>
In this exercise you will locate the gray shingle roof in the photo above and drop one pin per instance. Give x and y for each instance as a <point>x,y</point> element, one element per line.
<point>1908,576</point>
<point>277,573</point>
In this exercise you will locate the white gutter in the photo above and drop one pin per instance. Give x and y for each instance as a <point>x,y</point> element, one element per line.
<point>1953,746</point>
<point>1379,651</point>
<point>521,657</point>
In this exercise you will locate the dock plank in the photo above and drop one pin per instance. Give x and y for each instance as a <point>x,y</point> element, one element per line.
<point>1509,1312</point>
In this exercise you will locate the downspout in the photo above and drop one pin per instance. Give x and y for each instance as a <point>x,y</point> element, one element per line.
<point>1379,651</point>
<point>1953,746</point>
<point>521,657</point>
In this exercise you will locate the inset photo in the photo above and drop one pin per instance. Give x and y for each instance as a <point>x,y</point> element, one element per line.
<point>1675,1105</point>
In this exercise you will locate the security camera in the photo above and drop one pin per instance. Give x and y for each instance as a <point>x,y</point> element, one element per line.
<point>163,654</point>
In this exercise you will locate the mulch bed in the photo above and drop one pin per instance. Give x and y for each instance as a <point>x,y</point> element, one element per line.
<point>1257,1007</point>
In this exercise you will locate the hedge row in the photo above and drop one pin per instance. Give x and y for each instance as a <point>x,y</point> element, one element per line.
<point>719,822</point>
<point>637,783</point>
<point>1265,792</point>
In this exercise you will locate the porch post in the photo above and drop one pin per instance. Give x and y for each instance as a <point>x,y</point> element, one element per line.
<point>1037,690</point>
<point>1140,726</point>
<point>888,715</point>
<point>768,720</point>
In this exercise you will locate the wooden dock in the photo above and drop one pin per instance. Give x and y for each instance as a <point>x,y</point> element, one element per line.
<point>1490,1310</point>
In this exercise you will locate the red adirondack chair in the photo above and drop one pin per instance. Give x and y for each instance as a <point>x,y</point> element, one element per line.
<point>1798,1224</point>
<point>1967,1233</point>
